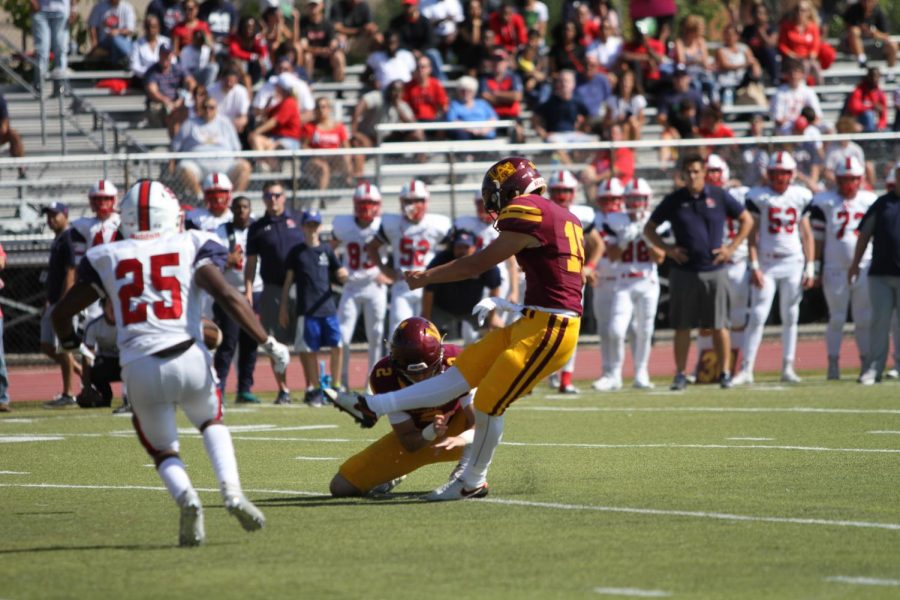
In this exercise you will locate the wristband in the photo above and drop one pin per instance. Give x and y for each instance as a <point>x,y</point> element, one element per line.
<point>428,433</point>
<point>591,266</point>
<point>809,270</point>
<point>754,265</point>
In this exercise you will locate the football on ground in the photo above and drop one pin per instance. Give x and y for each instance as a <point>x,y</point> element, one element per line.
<point>212,335</point>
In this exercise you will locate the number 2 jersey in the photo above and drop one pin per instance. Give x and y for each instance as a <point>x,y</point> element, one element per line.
<point>413,244</point>
<point>835,221</point>
<point>386,378</point>
<point>151,283</point>
<point>352,239</point>
<point>553,269</point>
<point>779,221</point>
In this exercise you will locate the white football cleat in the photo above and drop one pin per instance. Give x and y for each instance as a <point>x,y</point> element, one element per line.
<point>892,373</point>
<point>384,488</point>
<point>745,377</point>
<point>456,490</point>
<point>250,517</point>
<point>607,383</point>
<point>190,529</point>
<point>869,377</point>
<point>642,382</point>
<point>553,380</point>
<point>789,376</point>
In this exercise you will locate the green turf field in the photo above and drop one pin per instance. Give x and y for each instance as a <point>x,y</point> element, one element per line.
<point>772,492</point>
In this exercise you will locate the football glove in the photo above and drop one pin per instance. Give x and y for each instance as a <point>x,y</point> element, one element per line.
<point>486,305</point>
<point>279,354</point>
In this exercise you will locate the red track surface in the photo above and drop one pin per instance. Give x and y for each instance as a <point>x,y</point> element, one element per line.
<point>43,383</point>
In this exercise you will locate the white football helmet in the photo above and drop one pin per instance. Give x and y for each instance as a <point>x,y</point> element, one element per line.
<point>562,187</point>
<point>609,195</point>
<point>717,171</point>
<point>781,169</point>
<point>102,198</point>
<point>150,210</point>
<point>217,192</point>
<point>414,199</point>
<point>850,167</point>
<point>366,201</point>
<point>637,196</point>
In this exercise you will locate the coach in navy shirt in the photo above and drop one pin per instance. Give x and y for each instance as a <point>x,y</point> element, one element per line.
<point>881,226</point>
<point>269,240</point>
<point>698,284</point>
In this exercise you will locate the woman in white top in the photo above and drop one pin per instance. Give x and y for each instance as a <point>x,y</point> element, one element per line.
<point>733,59</point>
<point>626,106</point>
<point>692,52</point>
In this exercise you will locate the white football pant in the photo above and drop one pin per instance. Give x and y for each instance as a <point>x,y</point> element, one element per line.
<point>405,303</point>
<point>634,300</point>
<point>371,299</point>
<point>603,296</point>
<point>739,284</point>
<point>839,294</point>
<point>787,279</point>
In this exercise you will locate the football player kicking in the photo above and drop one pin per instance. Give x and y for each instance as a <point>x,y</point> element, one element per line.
<point>154,278</point>
<point>781,256</point>
<point>366,288</point>
<point>416,353</point>
<point>835,217</point>
<point>412,237</point>
<point>506,363</point>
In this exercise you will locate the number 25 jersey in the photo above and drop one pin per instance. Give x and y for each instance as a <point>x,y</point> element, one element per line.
<point>412,244</point>
<point>779,221</point>
<point>151,283</point>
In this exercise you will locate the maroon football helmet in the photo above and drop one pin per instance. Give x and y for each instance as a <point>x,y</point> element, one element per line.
<point>417,348</point>
<point>508,178</point>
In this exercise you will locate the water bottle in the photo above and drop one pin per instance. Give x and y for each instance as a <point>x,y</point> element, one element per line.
<point>324,377</point>
<point>728,97</point>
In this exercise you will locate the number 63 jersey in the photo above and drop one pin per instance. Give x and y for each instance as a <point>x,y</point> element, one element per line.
<point>412,244</point>
<point>779,221</point>
<point>151,283</point>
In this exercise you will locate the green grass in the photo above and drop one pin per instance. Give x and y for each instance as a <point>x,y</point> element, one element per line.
<point>560,521</point>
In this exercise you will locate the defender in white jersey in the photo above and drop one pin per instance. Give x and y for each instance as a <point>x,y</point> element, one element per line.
<point>835,217</point>
<point>610,201</point>
<point>102,228</point>
<point>718,173</point>
<point>636,289</point>
<point>154,279</point>
<point>217,197</point>
<point>366,288</point>
<point>563,188</point>
<point>781,257</point>
<point>412,236</point>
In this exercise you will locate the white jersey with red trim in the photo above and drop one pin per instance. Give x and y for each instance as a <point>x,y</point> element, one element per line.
<point>203,220</point>
<point>733,226</point>
<point>779,221</point>
<point>636,260</point>
<point>413,244</point>
<point>485,233</point>
<point>603,223</point>
<point>834,221</point>
<point>151,283</point>
<point>585,214</point>
<point>352,240</point>
<point>88,232</point>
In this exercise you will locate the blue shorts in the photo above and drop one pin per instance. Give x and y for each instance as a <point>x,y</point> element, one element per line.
<point>314,333</point>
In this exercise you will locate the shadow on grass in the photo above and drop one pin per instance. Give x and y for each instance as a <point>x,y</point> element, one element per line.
<point>313,501</point>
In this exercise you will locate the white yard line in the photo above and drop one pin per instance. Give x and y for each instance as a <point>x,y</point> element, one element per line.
<point>16,421</point>
<point>750,439</point>
<point>707,447</point>
<point>715,409</point>
<point>884,432</point>
<point>864,581</point>
<point>12,439</point>
<point>717,516</point>
<point>14,473</point>
<point>632,592</point>
<point>316,458</point>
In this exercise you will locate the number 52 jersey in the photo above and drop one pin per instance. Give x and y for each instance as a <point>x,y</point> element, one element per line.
<point>412,244</point>
<point>151,283</point>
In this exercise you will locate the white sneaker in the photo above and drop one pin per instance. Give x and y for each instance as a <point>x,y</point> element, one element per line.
<point>745,377</point>
<point>789,376</point>
<point>607,384</point>
<point>190,530</point>
<point>892,373</point>
<point>642,382</point>
<point>250,517</point>
<point>456,490</point>
<point>868,378</point>
<point>384,488</point>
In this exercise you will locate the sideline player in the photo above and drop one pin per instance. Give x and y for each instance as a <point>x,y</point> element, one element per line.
<point>781,252</point>
<point>154,278</point>
<point>412,237</point>
<point>636,293</point>
<point>217,198</point>
<point>718,174</point>
<point>366,288</point>
<point>610,200</point>
<point>507,363</point>
<point>563,187</point>
<point>417,353</point>
<point>835,216</point>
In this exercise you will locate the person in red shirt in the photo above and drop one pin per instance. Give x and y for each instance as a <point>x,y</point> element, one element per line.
<point>712,125</point>
<point>503,90</point>
<point>799,38</point>
<point>867,102</point>
<point>645,54</point>
<point>508,28</point>
<point>183,33</point>
<point>324,133</point>
<point>605,164</point>
<point>591,27</point>
<point>249,46</point>
<point>281,127</point>
<point>425,94</point>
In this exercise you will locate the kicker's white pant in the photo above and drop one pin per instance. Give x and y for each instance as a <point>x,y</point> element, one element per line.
<point>839,294</point>
<point>156,385</point>
<point>787,279</point>
<point>603,295</point>
<point>371,299</point>
<point>739,285</point>
<point>634,301</point>
<point>405,303</point>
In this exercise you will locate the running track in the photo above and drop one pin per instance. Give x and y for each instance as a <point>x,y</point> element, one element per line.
<point>43,383</point>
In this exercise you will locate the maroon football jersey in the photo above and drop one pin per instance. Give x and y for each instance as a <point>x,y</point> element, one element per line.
<point>553,269</point>
<point>386,378</point>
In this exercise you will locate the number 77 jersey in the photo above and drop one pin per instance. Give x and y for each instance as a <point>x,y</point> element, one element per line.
<point>779,221</point>
<point>834,221</point>
<point>156,302</point>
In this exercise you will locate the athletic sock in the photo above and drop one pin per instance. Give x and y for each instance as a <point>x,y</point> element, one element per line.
<point>565,379</point>
<point>174,476</point>
<point>219,448</point>
<point>488,433</point>
<point>430,392</point>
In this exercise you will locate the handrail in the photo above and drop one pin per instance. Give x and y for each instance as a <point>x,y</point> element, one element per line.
<point>39,94</point>
<point>444,125</point>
